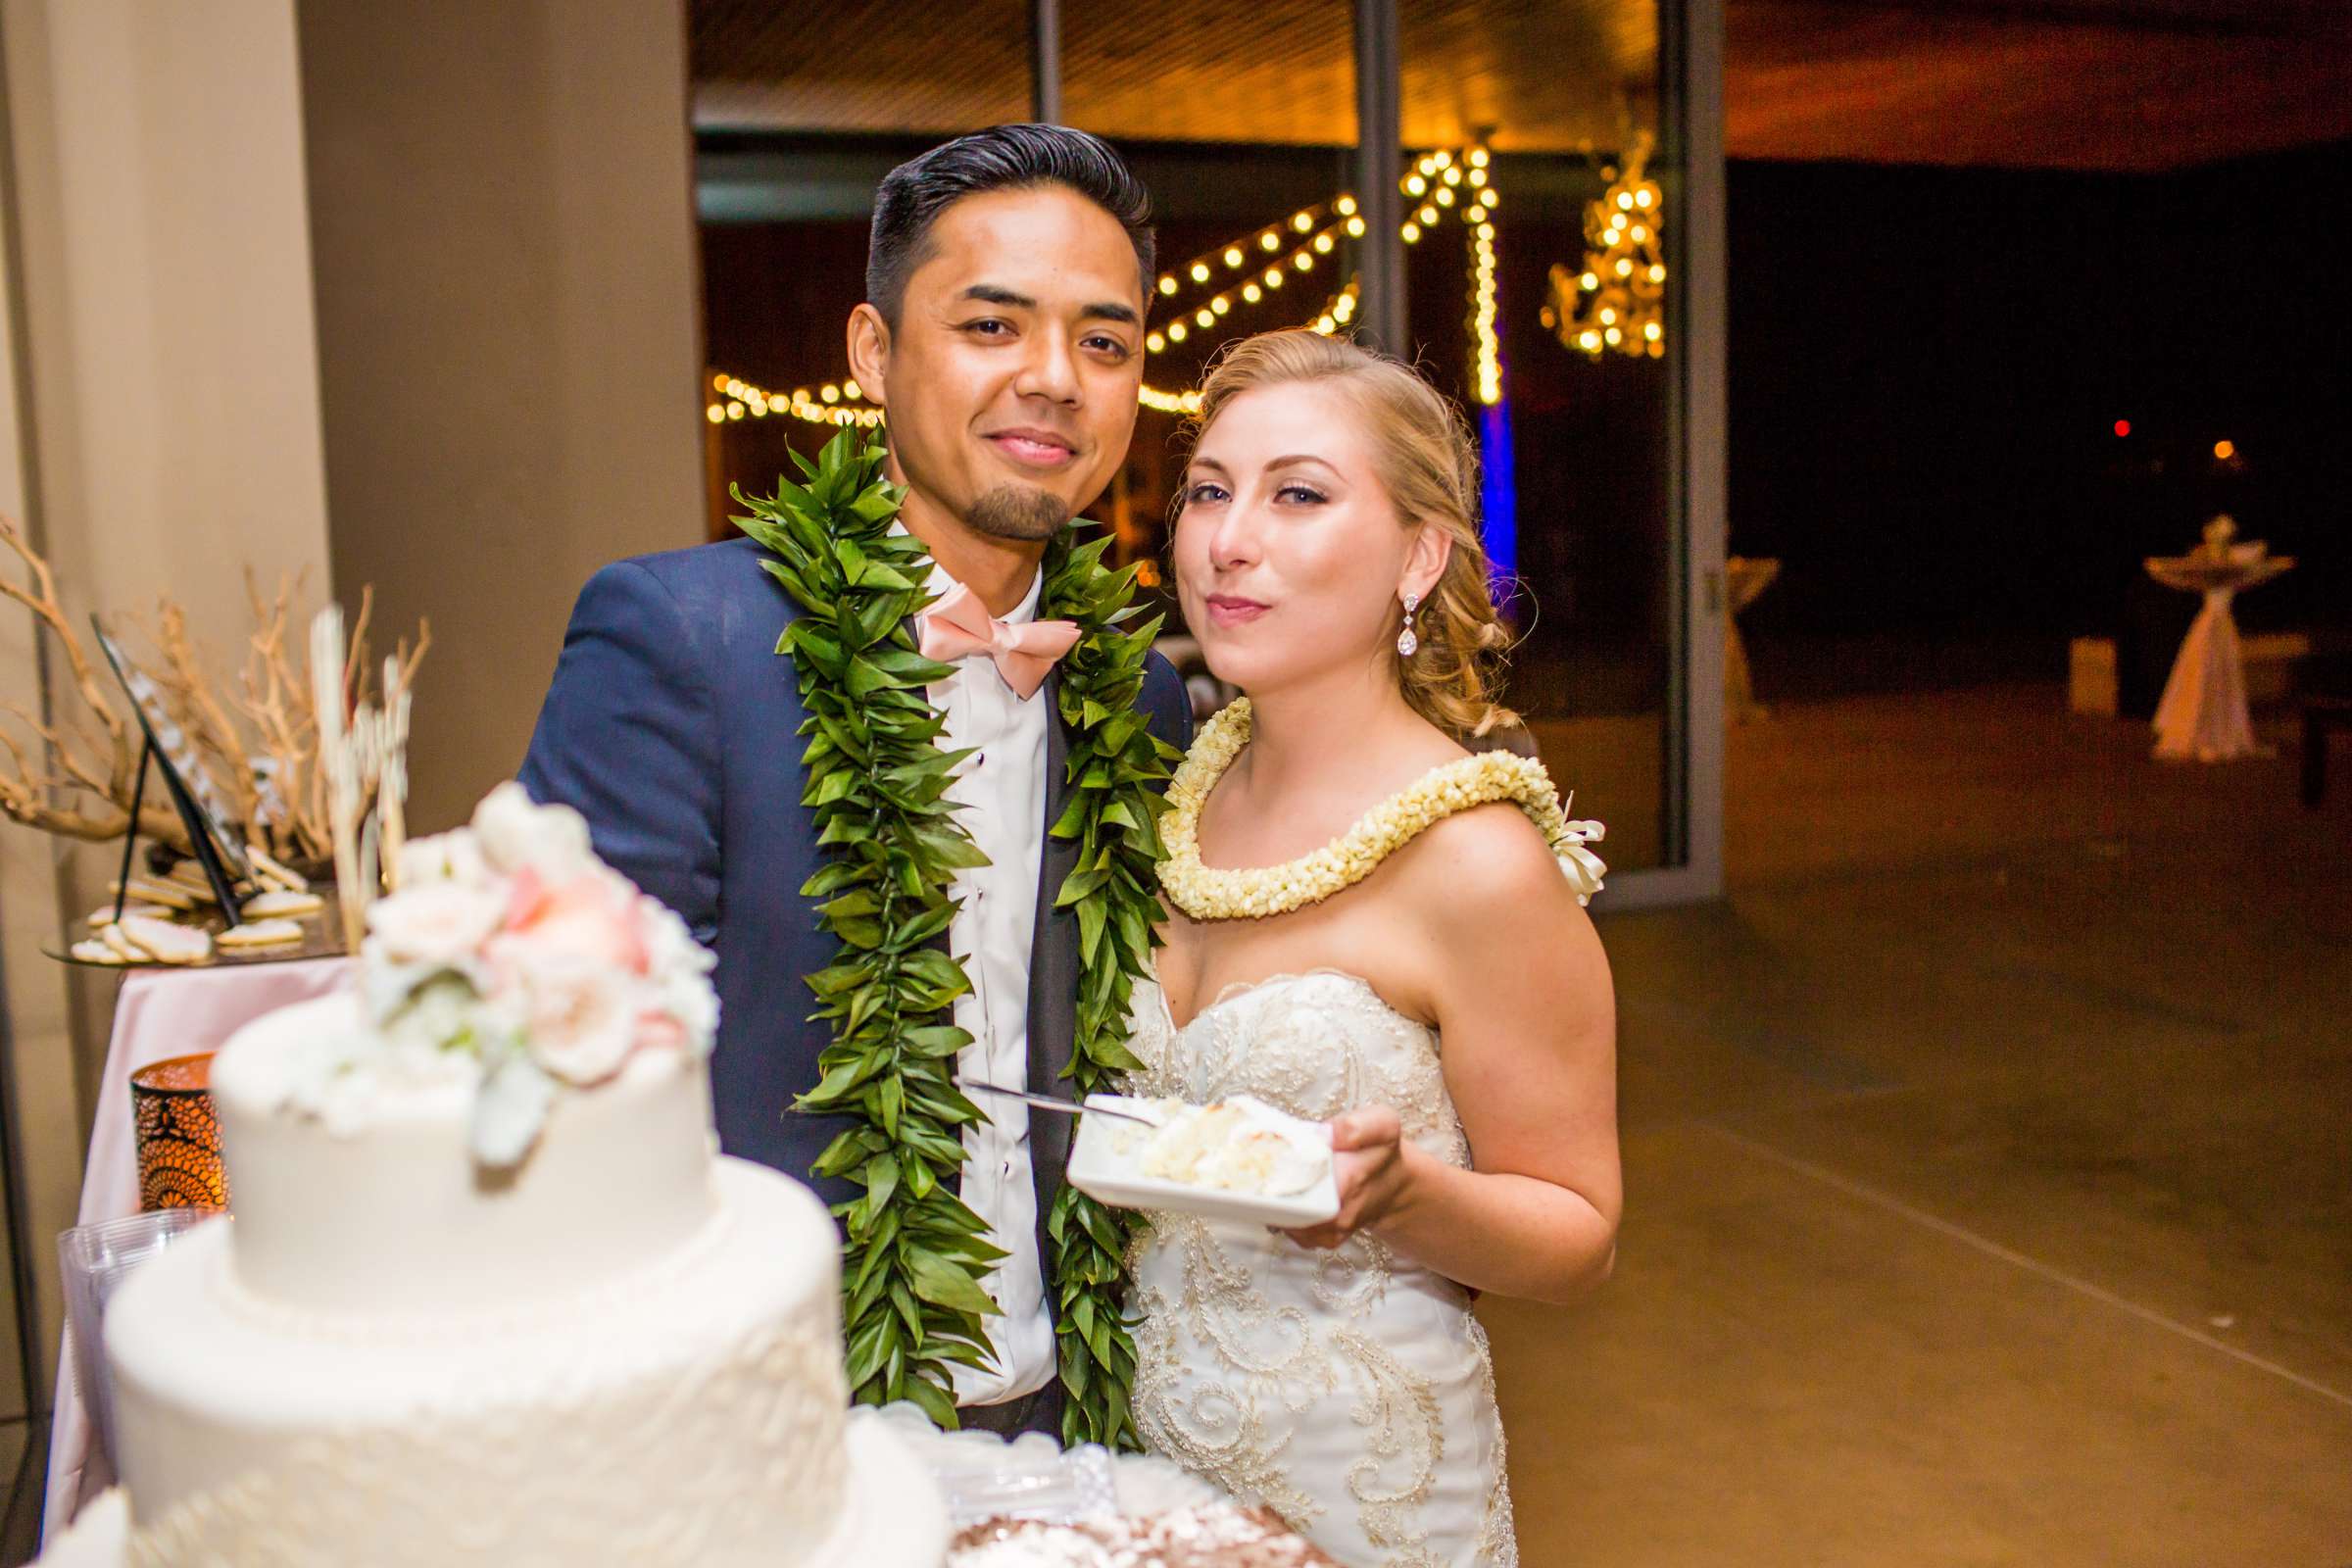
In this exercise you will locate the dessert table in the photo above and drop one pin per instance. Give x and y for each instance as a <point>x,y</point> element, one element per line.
<point>2202,716</point>
<point>158,1013</point>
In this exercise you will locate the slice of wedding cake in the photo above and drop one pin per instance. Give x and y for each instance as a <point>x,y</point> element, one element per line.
<point>489,1295</point>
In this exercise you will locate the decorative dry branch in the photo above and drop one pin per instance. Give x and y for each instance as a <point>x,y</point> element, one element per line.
<point>256,751</point>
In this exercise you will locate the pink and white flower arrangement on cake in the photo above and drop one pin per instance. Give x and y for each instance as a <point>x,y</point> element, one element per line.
<point>513,957</point>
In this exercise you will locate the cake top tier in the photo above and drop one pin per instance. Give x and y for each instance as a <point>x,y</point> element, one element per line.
<point>515,961</point>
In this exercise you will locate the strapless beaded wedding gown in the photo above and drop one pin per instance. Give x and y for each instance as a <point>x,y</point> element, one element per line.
<point>1349,1391</point>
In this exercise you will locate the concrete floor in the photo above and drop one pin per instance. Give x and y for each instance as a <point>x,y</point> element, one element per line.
<point>1988,1169</point>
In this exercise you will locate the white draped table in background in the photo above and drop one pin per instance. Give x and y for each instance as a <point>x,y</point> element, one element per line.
<point>2202,716</point>
<point>160,1013</point>
<point>1745,577</point>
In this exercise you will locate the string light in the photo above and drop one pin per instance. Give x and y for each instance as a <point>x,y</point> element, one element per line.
<point>1153,397</point>
<point>835,404</point>
<point>1338,311</point>
<point>1617,299</point>
<point>1441,178</point>
<point>1436,174</point>
<point>1486,343</point>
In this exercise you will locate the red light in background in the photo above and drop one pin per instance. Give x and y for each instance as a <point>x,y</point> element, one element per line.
<point>2122,427</point>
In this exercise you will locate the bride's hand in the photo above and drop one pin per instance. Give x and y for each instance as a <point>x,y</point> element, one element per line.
<point>1367,1147</point>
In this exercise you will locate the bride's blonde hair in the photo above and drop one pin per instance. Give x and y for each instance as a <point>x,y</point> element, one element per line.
<point>1428,463</point>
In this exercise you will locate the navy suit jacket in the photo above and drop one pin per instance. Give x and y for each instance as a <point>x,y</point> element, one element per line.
<point>670,725</point>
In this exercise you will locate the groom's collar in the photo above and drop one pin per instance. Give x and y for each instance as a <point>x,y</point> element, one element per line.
<point>1026,611</point>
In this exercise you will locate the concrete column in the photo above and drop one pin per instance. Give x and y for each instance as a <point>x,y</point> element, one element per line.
<point>501,197</point>
<point>163,424</point>
<point>427,269</point>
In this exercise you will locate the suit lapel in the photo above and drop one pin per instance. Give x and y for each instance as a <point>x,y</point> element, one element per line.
<point>1052,968</point>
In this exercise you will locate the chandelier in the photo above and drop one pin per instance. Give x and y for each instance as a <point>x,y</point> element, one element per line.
<point>1617,300</point>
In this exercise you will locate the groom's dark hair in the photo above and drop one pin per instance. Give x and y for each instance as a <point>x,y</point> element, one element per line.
<point>1001,158</point>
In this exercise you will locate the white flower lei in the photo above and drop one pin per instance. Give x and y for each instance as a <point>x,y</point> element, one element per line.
<point>1207,892</point>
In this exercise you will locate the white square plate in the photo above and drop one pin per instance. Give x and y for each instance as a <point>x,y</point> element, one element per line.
<point>1099,1169</point>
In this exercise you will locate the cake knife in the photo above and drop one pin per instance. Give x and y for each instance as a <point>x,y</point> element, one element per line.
<point>1066,1107</point>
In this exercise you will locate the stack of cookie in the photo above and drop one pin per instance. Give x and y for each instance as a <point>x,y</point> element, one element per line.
<point>174,918</point>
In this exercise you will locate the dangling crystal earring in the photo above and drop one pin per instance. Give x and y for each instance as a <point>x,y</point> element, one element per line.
<point>1407,644</point>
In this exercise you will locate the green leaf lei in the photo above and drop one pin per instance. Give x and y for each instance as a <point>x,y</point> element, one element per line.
<point>876,779</point>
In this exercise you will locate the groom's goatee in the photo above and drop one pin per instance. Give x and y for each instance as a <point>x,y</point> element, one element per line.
<point>1016,512</point>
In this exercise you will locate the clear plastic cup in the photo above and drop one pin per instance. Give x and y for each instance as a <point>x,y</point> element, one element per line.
<point>95,1260</point>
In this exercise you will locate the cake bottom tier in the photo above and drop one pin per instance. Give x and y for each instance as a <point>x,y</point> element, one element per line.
<point>689,1413</point>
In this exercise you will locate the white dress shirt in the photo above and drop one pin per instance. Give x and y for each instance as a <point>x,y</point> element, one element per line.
<point>1003,786</point>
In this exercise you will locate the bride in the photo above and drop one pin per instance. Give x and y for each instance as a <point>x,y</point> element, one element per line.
<point>1369,925</point>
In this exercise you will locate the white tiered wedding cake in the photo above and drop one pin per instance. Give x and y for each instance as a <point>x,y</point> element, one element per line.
<point>489,1295</point>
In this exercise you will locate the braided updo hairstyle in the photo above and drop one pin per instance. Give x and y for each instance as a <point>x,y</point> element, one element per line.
<point>1428,463</point>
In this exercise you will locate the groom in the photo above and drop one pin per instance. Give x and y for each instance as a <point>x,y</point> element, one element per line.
<point>1001,332</point>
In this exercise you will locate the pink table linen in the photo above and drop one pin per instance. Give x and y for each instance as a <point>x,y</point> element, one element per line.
<point>157,1014</point>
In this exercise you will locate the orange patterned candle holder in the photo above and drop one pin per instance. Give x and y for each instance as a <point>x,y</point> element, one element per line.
<point>179,1135</point>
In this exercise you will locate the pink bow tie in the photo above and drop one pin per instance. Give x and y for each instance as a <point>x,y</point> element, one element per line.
<point>960,626</point>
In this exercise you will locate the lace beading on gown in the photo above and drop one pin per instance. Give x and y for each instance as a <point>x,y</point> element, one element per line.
<point>1349,1391</point>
